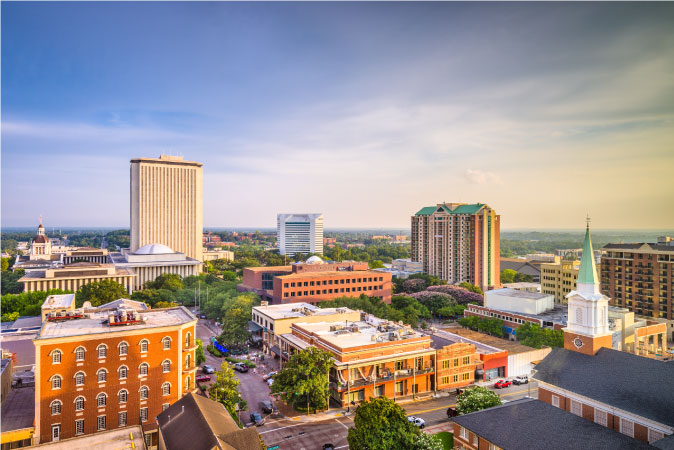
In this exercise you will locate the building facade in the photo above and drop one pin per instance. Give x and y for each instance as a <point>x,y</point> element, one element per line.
<point>86,254</point>
<point>167,204</point>
<point>73,276</point>
<point>111,368</point>
<point>640,277</point>
<point>458,242</point>
<point>299,233</point>
<point>559,279</point>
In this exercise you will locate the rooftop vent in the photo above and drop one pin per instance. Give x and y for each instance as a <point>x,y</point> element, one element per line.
<point>124,316</point>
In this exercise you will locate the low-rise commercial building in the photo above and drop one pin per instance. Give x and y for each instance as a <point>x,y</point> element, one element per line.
<point>58,305</point>
<point>73,276</point>
<point>212,254</point>
<point>524,286</point>
<point>18,418</point>
<point>518,301</point>
<point>559,279</point>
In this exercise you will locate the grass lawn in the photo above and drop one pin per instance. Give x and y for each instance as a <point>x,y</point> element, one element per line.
<point>447,439</point>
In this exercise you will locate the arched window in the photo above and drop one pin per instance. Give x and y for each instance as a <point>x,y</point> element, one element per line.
<point>187,382</point>
<point>56,357</point>
<point>56,382</point>
<point>144,345</point>
<point>79,403</point>
<point>79,354</point>
<point>79,378</point>
<point>55,407</point>
<point>102,350</point>
<point>102,375</point>
<point>122,395</point>
<point>166,366</point>
<point>144,391</point>
<point>188,361</point>
<point>143,368</point>
<point>123,348</point>
<point>579,316</point>
<point>166,343</point>
<point>188,339</point>
<point>166,389</point>
<point>122,372</point>
<point>101,399</point>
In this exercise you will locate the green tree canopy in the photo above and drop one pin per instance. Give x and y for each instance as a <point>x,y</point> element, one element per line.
<point>100,292</point>
<point>9,281</point>
<point>381,424</point>
<point>377,264</point>
<point>476,399</point>
<point>168,281</point>
<point>471,287</point>
<point>426,441</point>
<point>304,379</point>
<point>199,355</point>
<point>236,315</point>
<point>535,336</point>
<point>225,390</point>
<point>508,276</point>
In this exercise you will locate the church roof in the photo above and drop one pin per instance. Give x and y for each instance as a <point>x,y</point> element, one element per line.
<point>40,239</point>
<point>629,382</point>
<point>588,271</point>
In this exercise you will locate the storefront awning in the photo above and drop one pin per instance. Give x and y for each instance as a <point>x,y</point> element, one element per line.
<point>253,327</point>
<point>276,350</point>
<point>256,338</point>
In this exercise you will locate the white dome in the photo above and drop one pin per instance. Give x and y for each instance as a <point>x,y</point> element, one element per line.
<point>314,260</point>
<point>153,249</point>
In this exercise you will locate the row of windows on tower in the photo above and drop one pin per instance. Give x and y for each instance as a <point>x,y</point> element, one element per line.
<point>122,348</point>
<point>122,372</point>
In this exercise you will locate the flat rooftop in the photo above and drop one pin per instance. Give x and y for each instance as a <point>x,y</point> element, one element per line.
<point>492,341</point>
<point>58,301</point>
<point>558,314</point>
<point>522,285</point>
<point>271,269</point>
<point>519,294</point>
<point>116,439</point>
<point>96,323</point>
<point>18,410</point>
<point>291,310</point>
<point>448,336</point>
<point>329,273</point>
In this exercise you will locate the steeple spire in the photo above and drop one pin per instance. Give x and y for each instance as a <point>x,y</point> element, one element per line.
<point>587,281</point>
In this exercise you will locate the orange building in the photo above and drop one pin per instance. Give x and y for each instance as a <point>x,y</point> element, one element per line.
<point>111,368</point>
<point>376,357</point>
<point>316,281</point>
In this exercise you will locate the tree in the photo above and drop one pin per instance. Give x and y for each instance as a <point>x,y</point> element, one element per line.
<point>471,287</point>
<point>377,264</point>
<point>508,276</point>
<point>168,281</point>
<point>9,281</point>
<point>225,390</point>
<point>426,441</point>
<point>304,382</point>
<point>476,399</point>
<point>381,424</point>
<point>165,305</point>
<point>199,355</point>
<point>535,336</point>
<point>100,292</point>
<point>235,320</point>
<point>523,278</point>
<point>5,264</point>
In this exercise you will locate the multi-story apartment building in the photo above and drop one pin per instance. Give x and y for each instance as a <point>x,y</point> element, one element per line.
<point>640,277</point>
<point>458,242</point>
<point>376,357</point>
<point>316,281</point>
<point>167,204</point>
<point>559,279</point>
<point>110,368</point>
<point>299,233</point>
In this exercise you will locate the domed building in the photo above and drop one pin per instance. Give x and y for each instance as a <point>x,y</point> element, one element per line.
<point>41,245</point>
<point>40,255</point>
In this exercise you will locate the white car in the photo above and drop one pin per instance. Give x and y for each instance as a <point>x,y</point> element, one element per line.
<point>421,423</point>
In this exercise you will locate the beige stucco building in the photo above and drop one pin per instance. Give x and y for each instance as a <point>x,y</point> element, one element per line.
<point>559,279</point>
<point>167,204</point>
<point>215,254</point>
<point>72,277</point>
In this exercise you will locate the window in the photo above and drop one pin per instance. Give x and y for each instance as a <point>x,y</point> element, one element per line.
<point>494,447</point>
<point>188,338</point>
<point>576,408</point>
<point>123,349</point>
<point>466,360</point>
<point>463,433</point>
<point>143,414</point>
<point>167,343</point>
<point>143,368</point>
<point>79,426</point>
<point>144,392</point>
<point>555,401</point>
<point>79,378</point>
<point>187,382</point>
<point>79,403</point>
<point>445,364</point>
<point>455,378</point>
<point>166,389</point>
<point>144,345</point>
<point>465,376</point>
<point>475,440</point>
<point>102,375</point>
<point>101,399</point>
<point>79,354</point>
<point>122,395</point>
<point>399,365</point>
<point>444,380</point>
<point>166,366</point>
<point>165,406</point>
<point>399,387</point>
<point>121,419</point>
<point>56,357</point>
<point>56,382</point>
<point>188,361</point>
<point>579,316</point>
<point>122,372</point>
<point>101,423</point>
<point>600,417</point>
<point>627,427</point>
<point>55,407</point>
<point>456,362</point>
<point>102,351</point>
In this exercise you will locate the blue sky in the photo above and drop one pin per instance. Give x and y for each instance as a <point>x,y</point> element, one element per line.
<point>363,111</point>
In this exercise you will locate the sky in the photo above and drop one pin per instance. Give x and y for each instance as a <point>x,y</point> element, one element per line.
<point>366,112</point>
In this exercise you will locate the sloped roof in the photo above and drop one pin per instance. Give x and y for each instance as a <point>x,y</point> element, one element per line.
<point>587,274</point>
<point>632,383</point>
<point>460,209</point>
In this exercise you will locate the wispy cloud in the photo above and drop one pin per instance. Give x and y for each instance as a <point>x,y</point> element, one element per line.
<point>481,177</point>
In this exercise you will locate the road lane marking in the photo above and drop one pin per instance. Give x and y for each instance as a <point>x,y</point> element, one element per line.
<point>341,424</point>
<point>449,406</point>
<point>281,428</point>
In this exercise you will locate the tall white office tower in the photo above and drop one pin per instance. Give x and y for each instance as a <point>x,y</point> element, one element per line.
<point>299,233</point>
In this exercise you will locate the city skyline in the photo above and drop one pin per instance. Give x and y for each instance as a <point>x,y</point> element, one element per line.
<point>544,112</point>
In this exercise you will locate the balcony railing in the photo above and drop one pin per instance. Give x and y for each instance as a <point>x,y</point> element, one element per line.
<point>388,376</point>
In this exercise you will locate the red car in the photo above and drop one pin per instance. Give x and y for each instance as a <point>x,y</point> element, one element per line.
<point>502,384</point>
<point>203,378</point>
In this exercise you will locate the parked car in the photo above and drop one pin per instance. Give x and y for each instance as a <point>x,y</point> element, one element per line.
<point>522,379</point>
<point>203,378</point>
<point>451,412</point>
<point>207,369</point>
<point>418,421</point>
<point>241,367</point>
<point>257,419</point>
<point>202,316</point>
<point>500,384</point>
<point>269,375</point>
<point>267,406</point>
